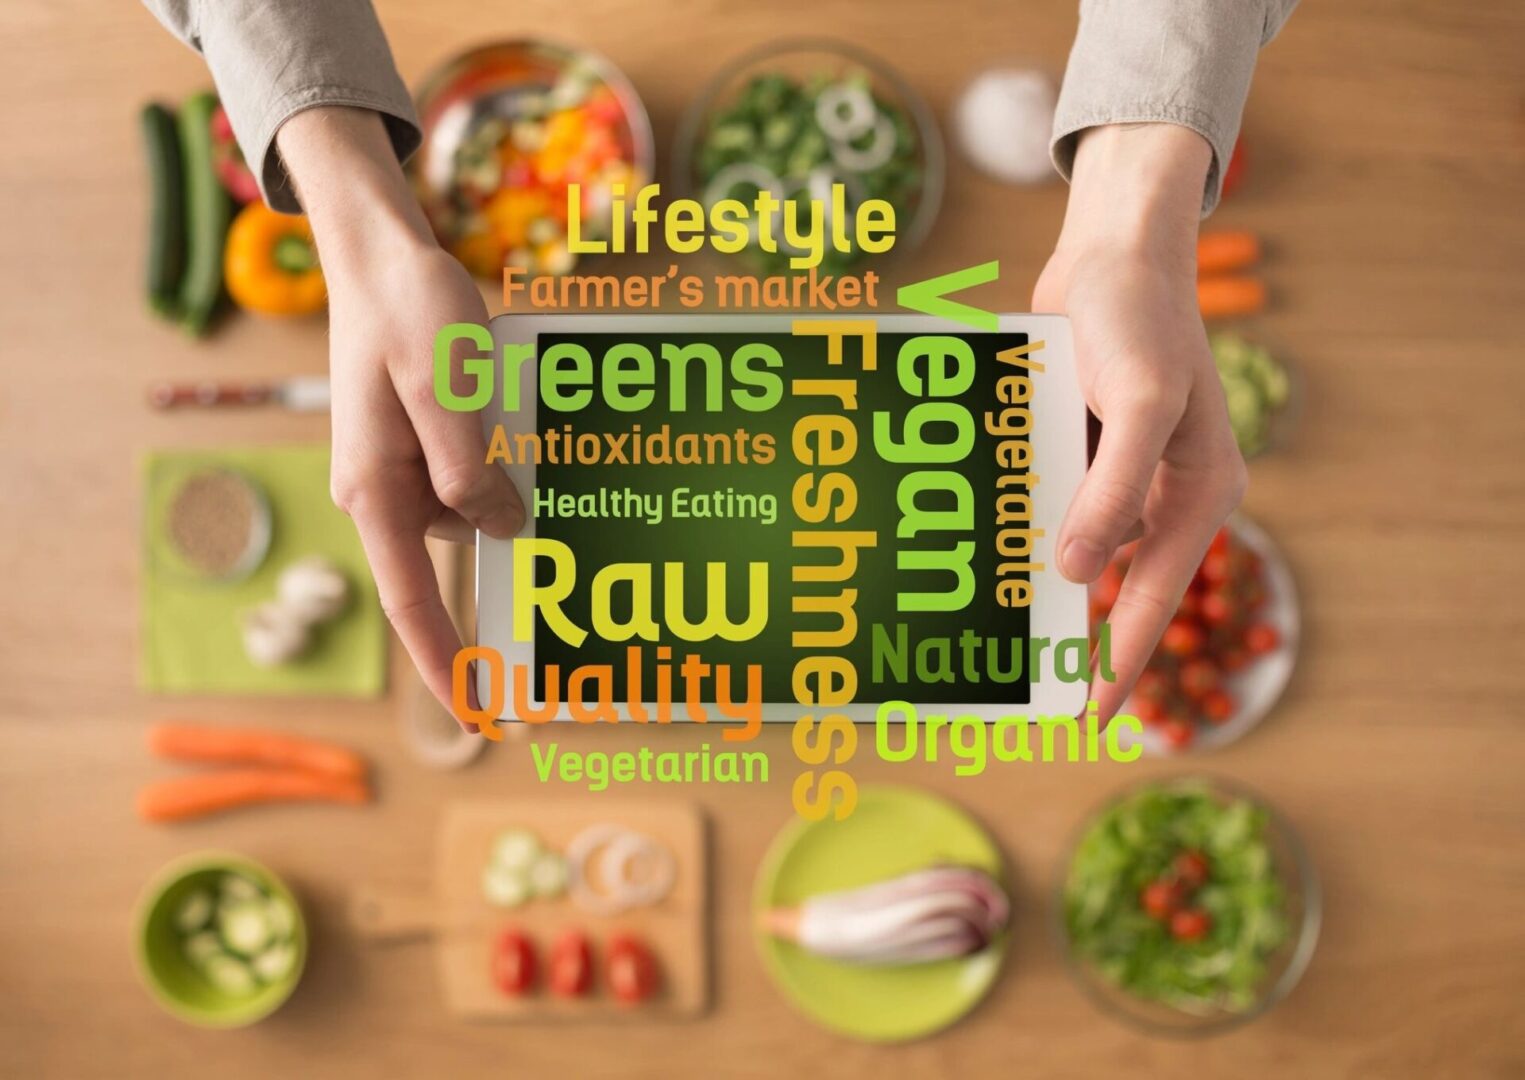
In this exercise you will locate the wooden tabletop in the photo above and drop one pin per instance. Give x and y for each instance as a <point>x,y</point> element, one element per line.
<point>1388,178</point>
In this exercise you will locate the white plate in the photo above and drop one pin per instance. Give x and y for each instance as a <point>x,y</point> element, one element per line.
<point>1260,685</point>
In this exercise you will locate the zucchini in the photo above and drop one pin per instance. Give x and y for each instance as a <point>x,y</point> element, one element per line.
<point>245,927</point>
<point>516,849</point>
<point>230,975</point>
<point>275,962</point>
<point>166,223</point>
<point>201,948</point>
<point>548,875</point>
<point>194,912</point>
<point>235,888</point>
<point>208,211</point>
<point>283,920</point>
<point>504,887</point>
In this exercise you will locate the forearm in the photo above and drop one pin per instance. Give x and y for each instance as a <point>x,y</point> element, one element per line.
<point>351,186</point>
<point>274,59</point>
<point>1137,187</point>
<point>1181,62</point>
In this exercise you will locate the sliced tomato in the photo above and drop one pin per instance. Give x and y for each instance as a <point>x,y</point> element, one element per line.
<point>631,969</point>
<point>513,963</point>
<point>571,965</point>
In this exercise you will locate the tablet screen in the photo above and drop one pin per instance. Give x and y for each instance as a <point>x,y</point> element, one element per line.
<point>692,459</point>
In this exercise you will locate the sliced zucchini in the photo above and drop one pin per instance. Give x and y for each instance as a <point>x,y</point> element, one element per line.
<point>276,962</point>
<point>236,887</point>
<point>245,926</point>
<point>202,947</point>
<point>516,849</point>
<point>230,975</point>
<point>503,887</point>
<point>194,912</point>
<point>548,875</point>
<point>283,920</point>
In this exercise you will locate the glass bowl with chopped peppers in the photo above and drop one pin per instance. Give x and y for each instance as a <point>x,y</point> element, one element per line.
<point>796,117</point>
<point>507,127</point>
<point>1188,907</point>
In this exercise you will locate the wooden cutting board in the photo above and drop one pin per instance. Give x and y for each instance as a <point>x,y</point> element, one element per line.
<point>464,925</point>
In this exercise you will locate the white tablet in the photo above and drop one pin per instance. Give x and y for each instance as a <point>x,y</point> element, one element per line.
<point>713,498</point>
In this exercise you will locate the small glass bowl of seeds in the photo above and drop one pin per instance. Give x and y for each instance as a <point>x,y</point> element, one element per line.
<point>217,524</point>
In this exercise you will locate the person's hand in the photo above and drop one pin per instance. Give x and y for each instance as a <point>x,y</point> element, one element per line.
<point>1167,468</point>
<point>403,466</point>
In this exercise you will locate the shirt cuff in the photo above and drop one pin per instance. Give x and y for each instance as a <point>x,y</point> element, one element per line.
<point>1185,62</point>
<point>271,59</point>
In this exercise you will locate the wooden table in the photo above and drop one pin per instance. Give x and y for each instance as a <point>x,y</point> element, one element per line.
<point>1388,178</point>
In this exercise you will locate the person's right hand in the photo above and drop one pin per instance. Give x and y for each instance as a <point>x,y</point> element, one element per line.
<point>403,466</point>
<point>1167,468</point>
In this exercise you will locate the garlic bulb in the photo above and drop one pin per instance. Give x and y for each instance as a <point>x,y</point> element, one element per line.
<point>274,634</point>
<point>1004,120</point>
<point>313,589</point>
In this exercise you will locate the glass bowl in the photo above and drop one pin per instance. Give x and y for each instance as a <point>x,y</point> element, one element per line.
<point>1302,907</point>
<point>803,60</point>
<point>506,127</point>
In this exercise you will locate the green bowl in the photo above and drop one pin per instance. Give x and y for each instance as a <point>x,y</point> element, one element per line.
<point>170,976</point>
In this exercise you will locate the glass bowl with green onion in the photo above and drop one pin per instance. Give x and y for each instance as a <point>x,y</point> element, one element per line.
<point>797,116</point>
<point>1188,907</point>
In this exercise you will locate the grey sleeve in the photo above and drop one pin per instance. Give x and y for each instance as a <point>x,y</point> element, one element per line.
<point>1184,62</point>
<point>271,59</point>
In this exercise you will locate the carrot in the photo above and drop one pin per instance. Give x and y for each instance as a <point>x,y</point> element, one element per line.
<point>1225,295</point>
<point>248,746</point>
<point>197,795</point>
<point>1226,249</point>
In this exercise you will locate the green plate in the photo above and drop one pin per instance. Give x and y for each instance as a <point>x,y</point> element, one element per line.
<point>892,831</point>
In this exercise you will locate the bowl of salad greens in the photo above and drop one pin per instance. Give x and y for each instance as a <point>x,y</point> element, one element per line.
<point>1188,907</point>
<point>796,117</point>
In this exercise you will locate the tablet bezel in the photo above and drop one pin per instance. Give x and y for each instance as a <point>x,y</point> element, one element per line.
<point>1059,608</point>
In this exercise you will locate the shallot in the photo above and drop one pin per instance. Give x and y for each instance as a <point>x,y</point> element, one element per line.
<point>934,914</point>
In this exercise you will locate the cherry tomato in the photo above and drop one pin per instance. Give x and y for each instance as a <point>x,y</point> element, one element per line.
<point>1232,660</point>
<point>1160,899</point>
<point>1190,924</point>
<point>1233,174</point>
<point>1199,677</point>
<point>1151,711</point>
<point>1104,589</point>
<point>1218,608</point>
<point>1182,638</point>
<point>1217,568</point>
<point>1220,542</point>
<point>1152,685</point>
<point>1218,706</point>
<point>513,963</point>
<point>1261,638</point>
<point>1178,733</point>
<point>1190,868</point>
<point>631,970</point>
<point>571,965</point>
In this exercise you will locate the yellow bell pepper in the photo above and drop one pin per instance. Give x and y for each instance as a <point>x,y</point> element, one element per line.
<point>271,264</point>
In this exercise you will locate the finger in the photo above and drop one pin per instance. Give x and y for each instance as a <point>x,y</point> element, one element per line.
<point>1161,569</point>
<point>410,597</point>
<point>1111,498</point>
<point>456,454</point>
<point>451,526</point>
